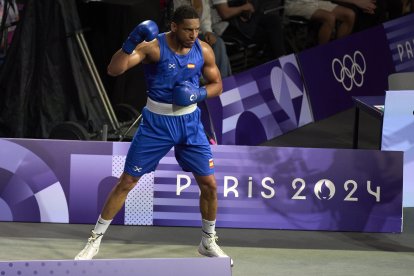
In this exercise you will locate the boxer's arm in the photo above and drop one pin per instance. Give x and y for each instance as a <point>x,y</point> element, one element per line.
<point>211,73</point>
<point>121,62</point>
<point>135,49</point>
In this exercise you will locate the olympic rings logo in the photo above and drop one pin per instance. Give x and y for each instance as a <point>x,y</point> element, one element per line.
<point>350,71</point>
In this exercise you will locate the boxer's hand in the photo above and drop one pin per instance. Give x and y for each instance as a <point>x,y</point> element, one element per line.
<point>146,30</point>
<point>186,93</point>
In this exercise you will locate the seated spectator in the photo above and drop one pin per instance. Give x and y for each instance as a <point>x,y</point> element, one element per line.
<point>374,12</point>
<point>238,18</point>
<point>327,14</point>
<point>367,6</point>
<point>207,34</point>
<point>367,12</point>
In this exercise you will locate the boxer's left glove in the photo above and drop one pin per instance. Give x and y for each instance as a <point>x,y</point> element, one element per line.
<point>147,30</point>
<point>186,93</point>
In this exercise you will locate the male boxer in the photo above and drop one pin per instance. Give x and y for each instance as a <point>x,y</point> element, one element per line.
<point>173,64</point>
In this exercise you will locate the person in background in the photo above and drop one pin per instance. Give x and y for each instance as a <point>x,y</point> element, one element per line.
<point>327,14</point>
<point>368,12</point>
<point>240,19</point>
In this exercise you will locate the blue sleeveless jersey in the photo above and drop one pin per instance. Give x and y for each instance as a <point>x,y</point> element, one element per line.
<point>172,69</point>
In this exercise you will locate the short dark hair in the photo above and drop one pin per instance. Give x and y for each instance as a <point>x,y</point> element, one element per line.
<point>184,12</point>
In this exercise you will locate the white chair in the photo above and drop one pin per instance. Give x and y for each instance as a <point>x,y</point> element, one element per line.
<point>401,81</point>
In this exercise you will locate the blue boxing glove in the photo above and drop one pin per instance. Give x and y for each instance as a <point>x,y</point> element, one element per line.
<point>186,93</point>
<point>146,30</point>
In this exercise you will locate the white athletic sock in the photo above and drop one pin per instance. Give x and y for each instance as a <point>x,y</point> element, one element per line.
<point>101,225</point>
<point>208,226</point>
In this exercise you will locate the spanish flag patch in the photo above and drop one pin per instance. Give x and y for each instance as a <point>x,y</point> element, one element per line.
<point>211,163</point>
<point>191,66</point>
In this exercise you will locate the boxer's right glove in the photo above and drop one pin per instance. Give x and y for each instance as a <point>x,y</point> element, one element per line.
<point>147,30</point>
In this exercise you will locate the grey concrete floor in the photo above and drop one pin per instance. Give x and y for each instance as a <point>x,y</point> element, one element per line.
<point>255,252</point>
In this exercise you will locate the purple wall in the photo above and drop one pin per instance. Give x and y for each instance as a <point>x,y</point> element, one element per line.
<point>260,104</point>
<point>357,65</point>
<point>400,36</point>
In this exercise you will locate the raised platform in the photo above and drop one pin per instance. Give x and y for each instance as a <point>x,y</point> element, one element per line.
<point>112,267</point>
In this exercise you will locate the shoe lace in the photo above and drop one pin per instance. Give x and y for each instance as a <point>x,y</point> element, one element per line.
<point>91,240</point>
<point>94,237</point>
<point>215,246</point>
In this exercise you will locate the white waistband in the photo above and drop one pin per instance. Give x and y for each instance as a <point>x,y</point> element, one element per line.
<point>169,109</point>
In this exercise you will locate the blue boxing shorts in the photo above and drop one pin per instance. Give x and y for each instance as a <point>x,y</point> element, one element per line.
<point>163,127</point>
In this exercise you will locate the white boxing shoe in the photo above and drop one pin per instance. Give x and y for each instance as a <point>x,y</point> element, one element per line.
<point>208,247</point>
<point>91,248</point>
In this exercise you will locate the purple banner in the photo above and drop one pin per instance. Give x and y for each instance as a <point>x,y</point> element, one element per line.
<point>259,187</point>
<point>62,181</point>
<point>260,104</point>
<point>357,65</point>
<point>35,178</point>
<point>400,35</point>
<point>289,188</point>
